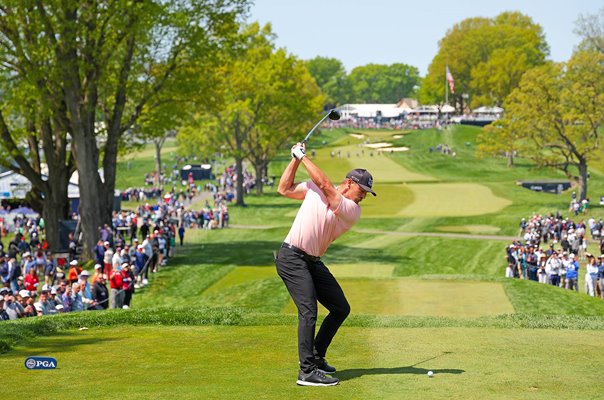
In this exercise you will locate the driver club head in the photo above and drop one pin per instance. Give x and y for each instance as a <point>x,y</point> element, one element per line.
<point>334,115</point>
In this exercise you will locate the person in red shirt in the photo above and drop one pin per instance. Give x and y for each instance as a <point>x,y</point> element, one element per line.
<point>128,284</point>
<point>116,285</point>
<point>32,281</point>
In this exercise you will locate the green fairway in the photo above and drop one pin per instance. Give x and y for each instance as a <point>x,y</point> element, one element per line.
<point>423,298</point>
<point>220,362</point>
<point>452,199</point>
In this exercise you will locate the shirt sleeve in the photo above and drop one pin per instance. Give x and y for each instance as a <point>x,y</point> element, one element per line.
<point>348,210</point>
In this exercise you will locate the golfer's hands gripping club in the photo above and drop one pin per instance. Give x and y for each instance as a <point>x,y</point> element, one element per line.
<point>299,151</point>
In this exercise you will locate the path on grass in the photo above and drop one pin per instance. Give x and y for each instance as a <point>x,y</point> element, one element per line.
<point>398,233</point>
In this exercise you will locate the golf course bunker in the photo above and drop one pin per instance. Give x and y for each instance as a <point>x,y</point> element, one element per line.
<point>415,297</point>
<point>451,200</point>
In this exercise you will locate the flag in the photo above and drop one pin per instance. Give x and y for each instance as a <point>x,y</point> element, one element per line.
<point>450,80</point>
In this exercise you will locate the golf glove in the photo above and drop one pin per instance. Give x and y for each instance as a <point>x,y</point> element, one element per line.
<point>298,151</point>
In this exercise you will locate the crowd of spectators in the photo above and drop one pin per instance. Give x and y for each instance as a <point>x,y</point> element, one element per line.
<point>137,242</point>
<point>553,249</point>
<point>120,267</point>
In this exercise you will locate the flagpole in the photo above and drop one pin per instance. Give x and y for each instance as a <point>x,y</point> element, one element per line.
<point>446,91</point>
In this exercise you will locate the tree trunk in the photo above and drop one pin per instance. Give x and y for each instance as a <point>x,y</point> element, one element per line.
<point>582,179</point>
<point>510,156</point>
<point>56,206</point>
<point>93,197</point>
<point>239,172</point>
<point>259,174</point>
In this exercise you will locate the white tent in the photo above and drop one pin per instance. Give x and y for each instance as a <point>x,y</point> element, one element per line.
<point>371,110</point>
<point>488,110</point>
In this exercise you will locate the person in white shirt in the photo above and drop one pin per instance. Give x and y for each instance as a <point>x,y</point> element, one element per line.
<point>553,267</point>
<point>591,275</point>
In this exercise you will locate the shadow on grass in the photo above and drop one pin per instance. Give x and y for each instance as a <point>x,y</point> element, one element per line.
<point>260,253</point>
<point>348,374</point>
<point>59,343</point>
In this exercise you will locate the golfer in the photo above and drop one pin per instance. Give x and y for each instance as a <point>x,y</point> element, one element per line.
<point>325,214</point>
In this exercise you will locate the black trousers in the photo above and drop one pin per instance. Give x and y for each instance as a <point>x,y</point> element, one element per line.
<point>308,280</point>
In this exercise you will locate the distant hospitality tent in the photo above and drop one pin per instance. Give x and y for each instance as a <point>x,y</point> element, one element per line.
<point>349,111</point>
<point>488,111</point>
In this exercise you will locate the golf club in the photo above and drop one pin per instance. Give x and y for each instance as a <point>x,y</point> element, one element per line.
<point>333,114</point>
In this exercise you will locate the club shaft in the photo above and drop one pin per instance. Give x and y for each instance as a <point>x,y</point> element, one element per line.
<point>315,127</point>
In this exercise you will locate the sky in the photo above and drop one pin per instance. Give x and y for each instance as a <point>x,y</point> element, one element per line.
<point>359,32</point>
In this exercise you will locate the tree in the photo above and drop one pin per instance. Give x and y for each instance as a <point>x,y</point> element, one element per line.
<point>267,97</point>
<point>487,58</point>
<point>500,138</point>
<point>375,83</point>
<point>105,61</point>
<point>34,140</point>
<point>591,29</point>
<point>330,75</point>
<point>559,111</point>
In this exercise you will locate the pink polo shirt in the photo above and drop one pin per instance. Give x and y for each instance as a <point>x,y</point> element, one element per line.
<point>319,223</point>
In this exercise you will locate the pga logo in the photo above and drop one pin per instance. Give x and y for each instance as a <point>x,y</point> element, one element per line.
<point>40,363</point>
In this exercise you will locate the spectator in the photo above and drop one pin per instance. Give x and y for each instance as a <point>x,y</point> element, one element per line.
<point>50,271</point>
<point>14,272</point>
<point>553,266</point>
<point>40,261</point>
<point>99,252</point>
<point>77,304</point>
<point>32,281</point>
<point>67,299</point>
<point>140,263</point>
<point>100,295</point>
<point>591,275</point>
<point>542,273</point>
<point>601,275</point>
<point>85,289</point>
<point>13,308</point>
<point>74,272</point>
<point>128,284</point>
<point>56,300</point>
<point>108,258</point>
<point>43,306</point>
<point>117,260</point>
<point>98,270</point>
<point>181,233</point>
<point>27,262</point>
<point>3,314</point>
<point>116,284</point>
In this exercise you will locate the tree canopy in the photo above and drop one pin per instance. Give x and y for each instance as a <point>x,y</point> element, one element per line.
<point>268,98</point>
<point>487,58</point>
<point>555,117</point>
<point>96,66</point>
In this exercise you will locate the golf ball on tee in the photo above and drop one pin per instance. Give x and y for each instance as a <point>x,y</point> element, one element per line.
<point>430,373</point>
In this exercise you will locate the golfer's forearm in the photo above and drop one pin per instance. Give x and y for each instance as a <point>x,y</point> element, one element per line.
<point>316,175</point>
<point>287,178</point>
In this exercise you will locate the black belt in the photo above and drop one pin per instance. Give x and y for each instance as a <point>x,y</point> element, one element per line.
<point>300,251</point>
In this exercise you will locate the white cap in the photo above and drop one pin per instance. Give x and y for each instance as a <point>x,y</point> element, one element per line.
<point>74,262</point>
<point>98,266</point>
<point>24,293</point>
